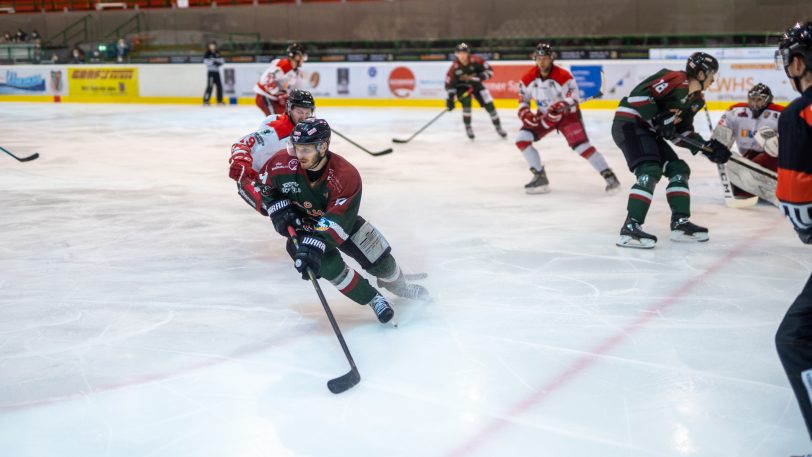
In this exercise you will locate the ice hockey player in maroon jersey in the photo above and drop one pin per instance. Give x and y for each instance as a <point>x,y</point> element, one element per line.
<point>464,81</point>
<point>557,98</point>
<point>318,193</point>
<point>250,152</point>
<point>794,337</point>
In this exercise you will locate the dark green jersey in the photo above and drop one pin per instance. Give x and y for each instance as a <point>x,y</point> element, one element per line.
<point>460,75</point>
<point>665,90</point>
<point>332,200</point>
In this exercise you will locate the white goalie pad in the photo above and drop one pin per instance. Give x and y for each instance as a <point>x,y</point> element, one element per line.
<point>724,135</point>
<point>767,138</point>
<point>752,177</point>
<point>370,241</point>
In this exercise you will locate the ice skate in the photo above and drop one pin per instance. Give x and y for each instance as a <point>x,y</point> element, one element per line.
<point>684,230</point>
<point>500,130</point>
<point>469,131</point>
<point>612,184</point>
<point>633,236</point>
<point>383,311</point>
<point>539,184</point>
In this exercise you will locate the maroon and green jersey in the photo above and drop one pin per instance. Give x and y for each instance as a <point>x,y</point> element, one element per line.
<point>665,90</point>
<point>477,68</point>
<point>332,200</point>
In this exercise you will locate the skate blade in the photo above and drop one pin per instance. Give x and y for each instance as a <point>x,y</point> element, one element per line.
<point>613,190</point>
<point>537,190</point>
<point>625,241</point>
<point>681,237</point>
<point>741,202</point>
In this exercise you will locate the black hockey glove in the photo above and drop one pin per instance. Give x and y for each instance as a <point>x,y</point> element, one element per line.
<point>449,102</point>
<point>719,153</point>
<point>308,256</point>
<point>664,124</point>
<point>283,214</point>
<point>804,234</point>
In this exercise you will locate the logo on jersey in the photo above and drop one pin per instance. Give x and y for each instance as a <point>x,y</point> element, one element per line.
<point>402,82</point>
<point>341,201</point>
<point>746,133</point>
<point>293,164</point>
<point>264,177</point>
<point>322,225</point>
<point>291,188</point>
<point>308,205</point>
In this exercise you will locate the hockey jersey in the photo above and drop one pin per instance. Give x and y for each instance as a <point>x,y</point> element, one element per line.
<point>332,200</point>
<point>665,90</point>
<point>739,119</point>
<point>559,85</point>
<point>794,189</point>
<point>279,77</point>
<point>271,137</point>
<point>477,68</point>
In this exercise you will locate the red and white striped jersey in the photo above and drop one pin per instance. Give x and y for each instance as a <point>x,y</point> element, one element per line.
<point>739,119</point>
<point>280,76</point>
<point>559,85</point>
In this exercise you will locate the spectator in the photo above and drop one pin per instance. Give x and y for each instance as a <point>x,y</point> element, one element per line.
<point>6,38</point>
<point>77,55</point>
<point>22,37</point>
<point>121,50</point>
<point>35,35</point>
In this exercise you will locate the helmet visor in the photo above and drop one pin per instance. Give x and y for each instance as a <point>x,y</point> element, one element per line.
<point>783,57</point>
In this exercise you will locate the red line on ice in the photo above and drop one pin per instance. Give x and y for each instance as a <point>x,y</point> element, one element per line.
<point>604,347</point>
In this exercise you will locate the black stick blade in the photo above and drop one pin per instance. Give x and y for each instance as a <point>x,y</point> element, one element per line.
<point>26,159</point>
<point>398,140</point>
<point>344,382</point>
<point>380,153</point>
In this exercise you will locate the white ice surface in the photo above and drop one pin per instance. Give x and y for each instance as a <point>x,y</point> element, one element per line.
<point>146,311</point>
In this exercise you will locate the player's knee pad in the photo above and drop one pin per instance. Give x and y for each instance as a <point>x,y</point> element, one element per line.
<point>366,244</point>
<point>524,139</point>
<point>648,174</point>
<point>677,170</point>
<point>484,97</point>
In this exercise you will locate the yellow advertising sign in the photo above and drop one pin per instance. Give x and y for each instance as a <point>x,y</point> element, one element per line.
<point>102,82</point>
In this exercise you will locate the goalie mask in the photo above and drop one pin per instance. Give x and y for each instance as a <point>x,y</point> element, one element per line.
<point>759,98</point>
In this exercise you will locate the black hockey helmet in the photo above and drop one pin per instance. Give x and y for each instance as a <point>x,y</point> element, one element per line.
<point>311,131</point>
<point>701,61</point>
<point>296,49</point>
<point>797,40</point>
<point>544,49</point>
<point>303,98</point>
<point>462,47</point>
<point>759,98</point>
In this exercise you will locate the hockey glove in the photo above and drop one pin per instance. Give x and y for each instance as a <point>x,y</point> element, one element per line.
<point>665,124</point>
<point>308,256</point>
<point>240,169</point>
<point>804,234</point>
<point>718,153</point>
<point>529,120</point>
<point>449,102</point>
<point>283,214</point>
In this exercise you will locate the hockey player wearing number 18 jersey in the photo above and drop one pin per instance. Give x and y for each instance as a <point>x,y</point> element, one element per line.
<point>661,108</point>
<point>557,98</point>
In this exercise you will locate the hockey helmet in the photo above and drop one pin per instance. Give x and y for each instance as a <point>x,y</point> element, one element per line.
<point>701,61</point>
<point>759,98</point>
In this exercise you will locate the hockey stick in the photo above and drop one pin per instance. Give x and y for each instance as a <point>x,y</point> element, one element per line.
<point>378,153</point>
<point>727,188</point>
<point>397,140</point>
<point>350,379</point>
<point>21,159</point>
<point>744,163</point>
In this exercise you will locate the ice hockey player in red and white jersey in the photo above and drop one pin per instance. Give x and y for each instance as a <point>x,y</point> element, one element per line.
<point>753,126</point>
<point>252,151</point>
<point>557,98</point>
<point>279,79</point>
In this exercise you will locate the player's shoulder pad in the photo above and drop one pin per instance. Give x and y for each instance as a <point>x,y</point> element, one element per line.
<point>342,176</point>
<point>281,163</point>
<point>477,59</point>
<point>531,75</point>
<point>775,107</point>
<point>282,126</point>
<point>284,65</point>
<point>560,75</point>
<point>737,106</point>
